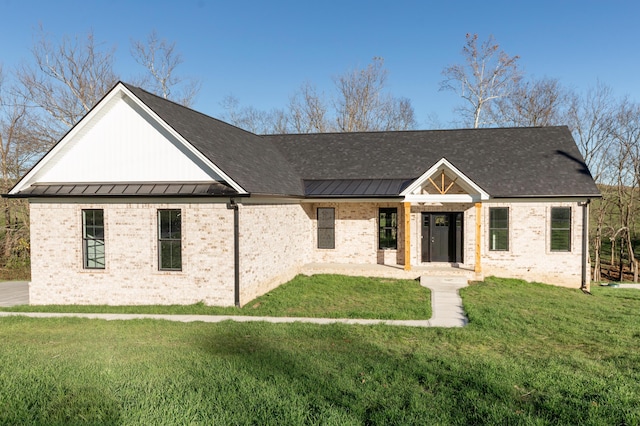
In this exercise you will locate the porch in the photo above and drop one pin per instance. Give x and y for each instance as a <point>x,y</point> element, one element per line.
<point>393,271</point>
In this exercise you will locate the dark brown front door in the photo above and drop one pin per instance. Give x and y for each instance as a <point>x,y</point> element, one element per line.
<point>442,237</point>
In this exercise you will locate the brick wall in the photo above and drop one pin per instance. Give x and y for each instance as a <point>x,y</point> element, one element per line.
<point>356,235</point>
<point>131,275</point>
<point>274,245</point>
<point>276,241</point>
<point>529,256</point>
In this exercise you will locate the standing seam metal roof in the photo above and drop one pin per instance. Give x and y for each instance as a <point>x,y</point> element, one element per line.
<point>128,189</point>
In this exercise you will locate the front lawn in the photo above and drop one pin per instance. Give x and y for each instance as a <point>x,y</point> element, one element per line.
<point>328,296</point>
<point>531,354</point>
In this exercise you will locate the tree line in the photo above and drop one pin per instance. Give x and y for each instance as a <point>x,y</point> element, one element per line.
<point>43,98</point>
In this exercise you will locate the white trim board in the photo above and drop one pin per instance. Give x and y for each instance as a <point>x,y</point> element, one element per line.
<point>412,191</point>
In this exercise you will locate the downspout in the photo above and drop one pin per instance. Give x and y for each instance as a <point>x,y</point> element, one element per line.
<point>586,273</point>
<point>232,205</point>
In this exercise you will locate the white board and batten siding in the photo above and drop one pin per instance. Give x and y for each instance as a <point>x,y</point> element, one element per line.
<point>122,143</point>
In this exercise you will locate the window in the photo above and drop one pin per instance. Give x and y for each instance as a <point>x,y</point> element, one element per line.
<point>93,239</point>
<point>499,228</point>
<point>169,240</point>
<point>561,229</point>
<point>326,228</point>
<point>388,232</point>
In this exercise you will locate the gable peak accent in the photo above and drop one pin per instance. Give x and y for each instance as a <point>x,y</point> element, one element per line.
<point>444,182</point>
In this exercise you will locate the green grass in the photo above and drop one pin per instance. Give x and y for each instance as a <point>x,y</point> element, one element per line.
<point>329,296</point>
<point>531,355</point>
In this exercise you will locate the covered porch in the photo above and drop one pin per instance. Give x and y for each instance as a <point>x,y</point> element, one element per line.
<point>432,223</point>
<point>442,212</point>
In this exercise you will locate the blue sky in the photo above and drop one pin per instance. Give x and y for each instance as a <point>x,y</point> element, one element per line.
<point>262,51</point>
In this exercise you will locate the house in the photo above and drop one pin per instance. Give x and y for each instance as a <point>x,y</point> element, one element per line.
<point>145,201</point>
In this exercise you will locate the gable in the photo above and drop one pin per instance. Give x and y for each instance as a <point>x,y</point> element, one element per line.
<point>122,143</point>
<point>444,182</point>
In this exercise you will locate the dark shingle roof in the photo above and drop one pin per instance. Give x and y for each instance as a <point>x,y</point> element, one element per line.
<point>505,162</point>
<point>251,161</point>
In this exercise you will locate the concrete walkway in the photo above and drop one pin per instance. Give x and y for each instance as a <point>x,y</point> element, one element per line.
<point>636,286</point>
<point>14,293</point>
<point>445,301</point>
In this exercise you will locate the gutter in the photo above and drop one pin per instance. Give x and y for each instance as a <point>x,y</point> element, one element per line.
<point>127,196</point>
<point>589,196</point>
<point>355,197</point>
<point>232,205</point>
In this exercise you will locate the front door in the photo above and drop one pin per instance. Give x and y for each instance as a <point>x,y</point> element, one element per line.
<point>442,237</point>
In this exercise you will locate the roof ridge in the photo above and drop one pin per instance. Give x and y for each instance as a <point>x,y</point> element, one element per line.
<point>130,86</point>
<point>464,129</point>
<point>254,163</point>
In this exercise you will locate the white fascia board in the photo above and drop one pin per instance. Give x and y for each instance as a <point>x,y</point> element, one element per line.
<point>350,200</point>
<point>439,198</point>
<point>186,143</point>
<point>268,200</point>
<point>540,199</point>
<point>483,195</point>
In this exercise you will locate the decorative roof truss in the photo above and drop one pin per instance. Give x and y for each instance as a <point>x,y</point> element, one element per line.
<point>450,184</point>
<point>441,189</point>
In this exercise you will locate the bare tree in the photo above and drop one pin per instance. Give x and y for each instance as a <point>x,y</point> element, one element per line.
<point>363,105</point>
<point>161,59</point>
<point>542,102</point>
<point>626,134</point>
<point>487,74</point>
<point>252,119</point>
<point>19,149</point>
<point>66,80</point>
<point>591,118</point>
<point>308,112</point>
<point>360,104</point>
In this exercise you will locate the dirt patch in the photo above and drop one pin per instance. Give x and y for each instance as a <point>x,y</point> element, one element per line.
<point>612,273</point>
